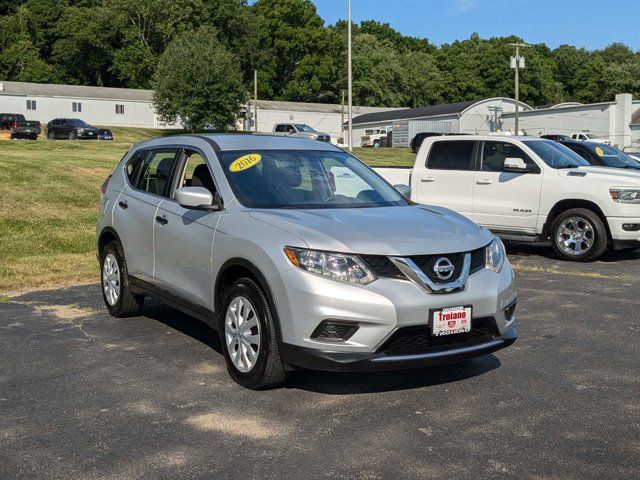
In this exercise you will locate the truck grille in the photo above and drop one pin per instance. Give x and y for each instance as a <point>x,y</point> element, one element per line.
<point>384,268</point>
<point>417,339</point>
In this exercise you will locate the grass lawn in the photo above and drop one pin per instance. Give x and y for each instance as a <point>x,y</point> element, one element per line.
<point>49,193</point>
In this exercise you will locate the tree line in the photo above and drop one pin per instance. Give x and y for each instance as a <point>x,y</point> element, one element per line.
<point>140,43</point>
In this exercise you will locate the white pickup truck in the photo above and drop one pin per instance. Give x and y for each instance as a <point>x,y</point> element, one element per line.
<point>527,189</point>
<point>589,137</point>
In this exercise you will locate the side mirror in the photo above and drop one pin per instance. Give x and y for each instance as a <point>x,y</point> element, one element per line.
<point>516,165</point>
<point>196,198</point>
<point>405,190</point>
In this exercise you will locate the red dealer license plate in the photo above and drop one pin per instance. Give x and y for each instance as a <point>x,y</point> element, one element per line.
<point>450,321</point>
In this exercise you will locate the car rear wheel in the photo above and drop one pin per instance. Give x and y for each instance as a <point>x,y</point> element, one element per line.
<point>578,235</point>
<point>50,135</point>
<point>116,291</point>
<point>248,335</point>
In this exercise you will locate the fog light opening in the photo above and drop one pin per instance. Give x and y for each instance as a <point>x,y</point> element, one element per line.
<point>510,312</point>
<point>631,227</point>
<point>334,331</point>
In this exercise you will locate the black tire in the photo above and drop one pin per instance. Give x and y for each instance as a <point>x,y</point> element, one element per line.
<point>600,238</point>
<point>128,304</point>
<point>50,135</point>
<point>73,135</point>
<point>268,371</point>
<point>376,144</point>
<point>12,136</point>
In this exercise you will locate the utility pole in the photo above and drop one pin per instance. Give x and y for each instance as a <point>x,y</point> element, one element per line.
<point>342,109</point>
<point>255,100</point>
<point>350,77</point>
<point>517,63</point>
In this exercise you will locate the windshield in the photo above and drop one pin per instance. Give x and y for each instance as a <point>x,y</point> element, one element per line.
<point>306,179</point>
<point>76,122</point>
<point>304,128</point>
<point>556,155</point>
<point>612,157</point>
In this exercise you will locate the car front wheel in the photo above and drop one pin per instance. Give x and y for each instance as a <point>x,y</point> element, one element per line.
<point>247,331</point>
<point>578,235</point>
<point>73,135</point>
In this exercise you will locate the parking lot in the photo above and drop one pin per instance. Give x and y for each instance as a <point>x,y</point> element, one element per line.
<point>84,395</point>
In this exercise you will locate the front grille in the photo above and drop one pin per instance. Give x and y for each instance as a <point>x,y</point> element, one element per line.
<point>417,339</point>
<point>385,268</point>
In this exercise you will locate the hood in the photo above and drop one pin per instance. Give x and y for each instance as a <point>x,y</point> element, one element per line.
<point>614,176</point>
<point>409,230</point>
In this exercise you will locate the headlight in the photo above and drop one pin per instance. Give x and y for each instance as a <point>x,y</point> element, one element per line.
<point>495,255</point>
<point>313,137</point>
<point>81,130</point>
<point>339,266</point>
<point>625,195</point>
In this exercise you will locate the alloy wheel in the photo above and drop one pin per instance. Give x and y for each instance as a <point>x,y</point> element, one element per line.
<point>575,236</point>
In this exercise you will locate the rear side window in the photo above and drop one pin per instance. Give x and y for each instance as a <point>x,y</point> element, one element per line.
<point>133,165</point>
<point>281,128</point>
<point>451,155</point>
<point>156,171</point>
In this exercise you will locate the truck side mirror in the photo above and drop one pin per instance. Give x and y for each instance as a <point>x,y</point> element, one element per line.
<point>516,165</point>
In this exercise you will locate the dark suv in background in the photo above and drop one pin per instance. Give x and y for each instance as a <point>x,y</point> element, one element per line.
<point>71,128</point>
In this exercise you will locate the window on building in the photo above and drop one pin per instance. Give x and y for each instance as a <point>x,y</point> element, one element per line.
<point>119,109</point>
<point>76,107</point>
<point>31,104</point>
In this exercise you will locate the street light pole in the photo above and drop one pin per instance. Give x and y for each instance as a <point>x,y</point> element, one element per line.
<point>350,77</point>
<point>516,63</point>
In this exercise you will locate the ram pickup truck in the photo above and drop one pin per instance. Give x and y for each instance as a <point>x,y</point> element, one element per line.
<point>18,126</point>
<point>528,189</point>
<point>291,250</point>
<point>301,130</point>
<point>589,137</point>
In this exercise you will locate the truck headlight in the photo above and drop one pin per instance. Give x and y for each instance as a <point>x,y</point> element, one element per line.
<point>495,255</point>
<point>339,266</point>
<point>625,195</point>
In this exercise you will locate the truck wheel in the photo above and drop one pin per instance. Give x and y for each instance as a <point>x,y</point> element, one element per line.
<point>116,291</point>
<point>248,336</point>
<point>578,235</point>
<point>376,144</point>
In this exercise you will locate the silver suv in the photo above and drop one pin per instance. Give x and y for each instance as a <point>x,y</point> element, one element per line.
<point>299,255</point>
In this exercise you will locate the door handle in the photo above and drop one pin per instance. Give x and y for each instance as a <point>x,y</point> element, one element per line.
<point>123,204</point>
<point>484,181</point>
<point>162,219</point>
<point>427,179</point>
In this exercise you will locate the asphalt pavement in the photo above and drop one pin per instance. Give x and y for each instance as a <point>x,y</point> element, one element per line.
<point>87,396</point>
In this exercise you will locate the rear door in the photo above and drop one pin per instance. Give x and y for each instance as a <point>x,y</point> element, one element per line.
<point>448,177</point>
<point>506,201</point>
<point>149,172</point>
<point>184,237</point>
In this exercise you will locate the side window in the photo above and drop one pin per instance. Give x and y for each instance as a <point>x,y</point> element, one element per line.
<point>133,165</point>
<point>281,128</point>
<point>495,153</point>
<point>156,171</point>
<point>290,129</point>
<point>451,155</point>
<point>196,173</point>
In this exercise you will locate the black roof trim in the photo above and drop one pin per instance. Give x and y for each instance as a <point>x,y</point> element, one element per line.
<point>428,111</point>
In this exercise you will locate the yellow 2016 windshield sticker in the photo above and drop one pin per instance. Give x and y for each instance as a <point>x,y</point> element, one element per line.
<point>599,151</point>
<point>244,162</point>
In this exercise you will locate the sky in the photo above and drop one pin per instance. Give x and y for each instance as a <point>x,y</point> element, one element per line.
<point>592,24</point>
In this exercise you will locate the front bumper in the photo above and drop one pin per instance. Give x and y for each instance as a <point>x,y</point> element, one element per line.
<point>380,309</point>
<point>623,238</point>
<point>332,361</point>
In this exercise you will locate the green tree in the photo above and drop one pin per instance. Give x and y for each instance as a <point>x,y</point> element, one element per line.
<point>199,82</point>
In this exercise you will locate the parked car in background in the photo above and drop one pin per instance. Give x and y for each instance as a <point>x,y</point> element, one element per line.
<point>589,137</point>
<point>105,134</point>
<point>374,137</point>
<point>300,256</point>
<point>416,141</point>
<point>556,137</point>
<point>529,189</point>
<point>8,119</point>
<point>21,128</point>
<point>601,154</point>
<point>70,128</point>
<point>301,130</point>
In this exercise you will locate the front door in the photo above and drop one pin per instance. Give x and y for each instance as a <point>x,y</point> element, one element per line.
<point>506,201</point>
<point>184,237</point>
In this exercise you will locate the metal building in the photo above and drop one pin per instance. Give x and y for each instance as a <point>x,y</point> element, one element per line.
<point>476,116</point>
